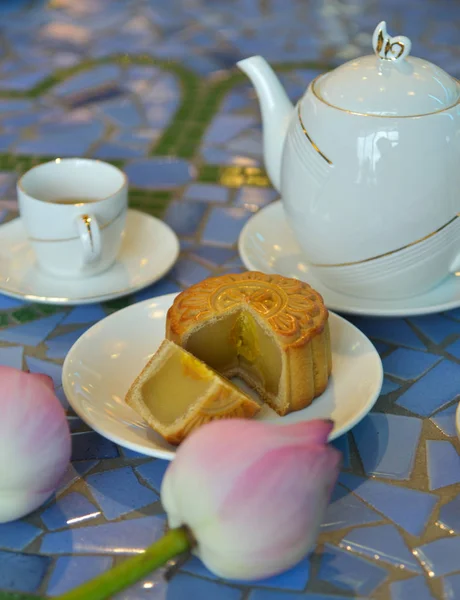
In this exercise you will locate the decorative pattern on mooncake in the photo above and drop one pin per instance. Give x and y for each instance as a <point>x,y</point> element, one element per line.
<point>292,308</point>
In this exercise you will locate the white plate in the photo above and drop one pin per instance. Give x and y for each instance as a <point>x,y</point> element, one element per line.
<point>268,244</point>
<point>102,364</point>
<point>149,250</point>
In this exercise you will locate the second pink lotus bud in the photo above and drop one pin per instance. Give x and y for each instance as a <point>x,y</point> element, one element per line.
<point>252,494</point>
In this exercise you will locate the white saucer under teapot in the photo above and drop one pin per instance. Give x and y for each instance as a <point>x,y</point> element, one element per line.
<point>367,164</point>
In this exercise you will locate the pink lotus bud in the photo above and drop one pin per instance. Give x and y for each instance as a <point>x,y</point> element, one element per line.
<point>252,494</point>
<point>34,442</point>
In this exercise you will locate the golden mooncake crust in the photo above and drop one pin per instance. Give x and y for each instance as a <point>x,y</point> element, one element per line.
<point>293,310</point>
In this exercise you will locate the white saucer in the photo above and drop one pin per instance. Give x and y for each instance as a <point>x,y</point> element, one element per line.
<point>149,250</point>
<point>102,364</point>
<point>267,244</point>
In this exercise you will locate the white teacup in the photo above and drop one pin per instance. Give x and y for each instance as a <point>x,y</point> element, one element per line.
<point>74,212</point>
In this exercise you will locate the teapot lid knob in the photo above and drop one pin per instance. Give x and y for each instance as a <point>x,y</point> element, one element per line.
<point>387,47</point>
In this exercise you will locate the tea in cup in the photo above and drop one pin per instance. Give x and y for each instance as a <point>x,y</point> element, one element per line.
<point>74,213</point>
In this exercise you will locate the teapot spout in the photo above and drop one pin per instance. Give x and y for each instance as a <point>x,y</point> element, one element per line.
<point>276,109</point>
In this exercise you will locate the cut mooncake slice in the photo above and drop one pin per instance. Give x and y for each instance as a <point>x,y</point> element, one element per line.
<point>269,330</point>
<point>176,393</point>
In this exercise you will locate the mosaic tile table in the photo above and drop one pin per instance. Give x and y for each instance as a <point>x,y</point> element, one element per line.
<point>151,86</point>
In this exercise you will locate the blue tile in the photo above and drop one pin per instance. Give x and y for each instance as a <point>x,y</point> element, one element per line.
<point>119,492</point>
<point>33,333</point>
<point>6,302</point>
<point>451,586</point>
<point>436,327</point>
<point>443,464</point>
<point>84,314</point>
<point>187,272</point>
<point>153,471</point>
<point>98,77</point>
<point>223,157</point>
<point>449,515</point>
<point>15,122</point>
<point>164,286</point>
<point>410,509</point>
<point>393,331</point>
<point>388,386</point>
<point>185,217</point>
<point>72,509</point>
<point>58,347</point>
<point>248,143</point>
<point>345,510</point>
<point>22,572</point>
<point>7,140</point>
<point>15,105</point>
<point>71,571</point>
<point>294,579</point>
<point>130,453</point>
<point>37,365</point>
<point>416,587</point>
<point>274,595</point>
<point>236,100</point>
<point>350,572</point>
<point>184,586</point>
<point>140,138</point>
<point>11,356</point>
<point>214,255</point>
<point>159,173</point>
<point>109,150</point>
<point>387,444</point>
<point>253,198</point>
<point>445,420</point>
<point>343,446</point>
<point>122,112</point>
<point>17,535</point>
<point>202,192</point>
<point>142,72</point>
<point>408,364</point>
<point>75,424</point>
<point>434,390</point>
<point>60,144</point>
<point>224,225</point>
<point>62,397</point>
<point>24,81</point>
<point>73,472</point>
<point>125,537</point>
<point>92,445</point>
<point>383,543</point>
<point>439,557</point>
<point>225,127</point>
<point>454,349</point>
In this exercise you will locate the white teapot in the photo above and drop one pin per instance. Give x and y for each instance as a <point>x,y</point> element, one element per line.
<point>368,168</point>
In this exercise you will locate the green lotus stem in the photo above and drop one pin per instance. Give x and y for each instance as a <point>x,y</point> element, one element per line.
<point>173,543</point>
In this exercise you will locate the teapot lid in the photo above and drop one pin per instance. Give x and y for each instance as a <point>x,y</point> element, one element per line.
<point>388,83</point>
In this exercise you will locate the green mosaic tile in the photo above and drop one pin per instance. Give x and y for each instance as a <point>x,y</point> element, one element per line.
<point>152,203</point>
<point>48,309</point>
<point>209,173</point>
<point>118,303</point>
<point>26,314</point>
<point>4,320</point>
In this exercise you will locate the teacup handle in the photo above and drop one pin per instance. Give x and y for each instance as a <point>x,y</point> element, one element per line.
<point>90,235</point>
